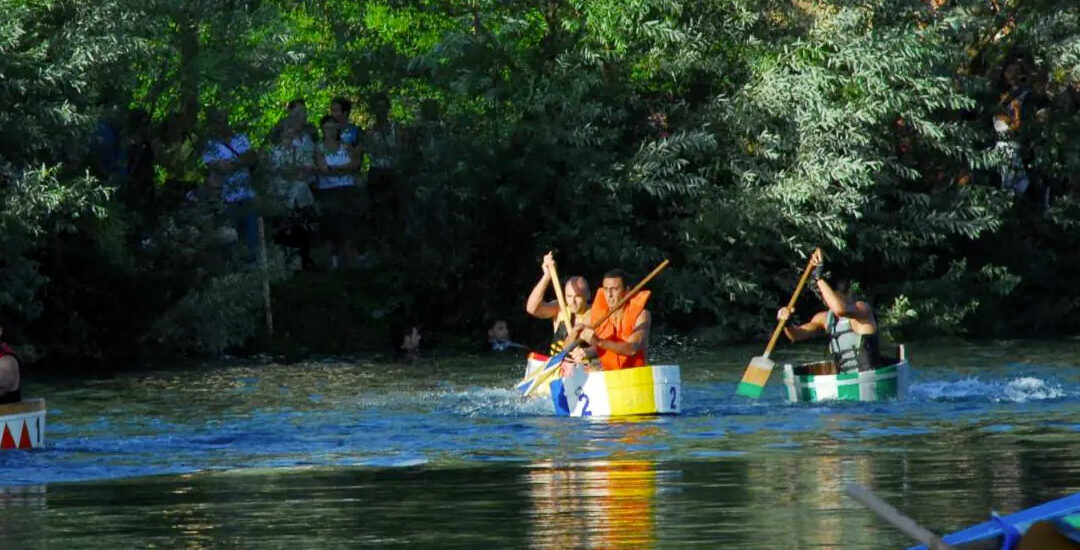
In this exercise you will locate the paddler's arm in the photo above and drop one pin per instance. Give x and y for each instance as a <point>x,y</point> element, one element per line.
<point>583,352</point>
<point>637,341</point>
<point>859,312</point>
<point>9,374</point>
<point>535,305</point>
<point>805,330</point>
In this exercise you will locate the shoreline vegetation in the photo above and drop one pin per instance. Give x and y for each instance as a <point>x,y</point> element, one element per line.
<point>930,148</point>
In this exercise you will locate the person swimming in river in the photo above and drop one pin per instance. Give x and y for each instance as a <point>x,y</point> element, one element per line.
<point>577,294</point>
<point>849,323</point>
<point>499,338</point>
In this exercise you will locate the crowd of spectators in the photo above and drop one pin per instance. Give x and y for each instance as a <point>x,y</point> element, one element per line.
<point>325,192</point>
<point>333,187</point>
<point>336,195</point>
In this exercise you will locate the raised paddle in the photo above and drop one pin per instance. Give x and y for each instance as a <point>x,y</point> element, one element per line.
<point>530,383</point>
<point>564,310</point>
<point>757,372</point>
<point>564,318</point>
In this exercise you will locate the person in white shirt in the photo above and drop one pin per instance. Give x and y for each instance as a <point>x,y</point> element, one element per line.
<point>339,200</point>
<point>229,158</point>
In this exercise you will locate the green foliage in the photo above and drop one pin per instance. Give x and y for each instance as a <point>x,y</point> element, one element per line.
<point>51,55</point>
<point>731,137</point>
<point>225,312</point>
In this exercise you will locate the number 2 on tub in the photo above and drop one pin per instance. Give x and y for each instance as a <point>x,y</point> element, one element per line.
<point>585,408</point>
<point>673,394</point>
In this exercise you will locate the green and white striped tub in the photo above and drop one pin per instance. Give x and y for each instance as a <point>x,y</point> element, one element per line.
<point>880,384</point>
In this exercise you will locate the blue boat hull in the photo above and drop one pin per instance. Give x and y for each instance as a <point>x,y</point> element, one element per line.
<point>1012,526</point>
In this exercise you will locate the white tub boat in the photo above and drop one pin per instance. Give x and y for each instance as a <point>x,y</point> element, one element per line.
<point>643,390</point>
<point>816,382</point>
<point>22,425</point>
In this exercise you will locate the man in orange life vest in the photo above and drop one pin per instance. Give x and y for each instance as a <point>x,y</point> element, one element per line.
<point>9,374</point>
<point>622,341</point>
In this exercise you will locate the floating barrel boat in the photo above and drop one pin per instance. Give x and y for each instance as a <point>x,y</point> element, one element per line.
<point>819,381</point>
<point>22,425</point>
<point>641,390</point>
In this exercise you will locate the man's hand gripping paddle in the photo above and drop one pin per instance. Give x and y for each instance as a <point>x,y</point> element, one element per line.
<point>528,385</point>
<point>757,372</point>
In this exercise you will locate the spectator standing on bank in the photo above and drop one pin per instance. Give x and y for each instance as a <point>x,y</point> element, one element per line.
<point>229,158</point>
<point>291,167</point>
<point>298,108</point>
<point>341,109</point>
<point>382,143</point>
<point>338,195</point>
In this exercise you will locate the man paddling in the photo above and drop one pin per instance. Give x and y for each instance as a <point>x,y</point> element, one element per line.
<point>9,374</point>
<point>577,296</point>
<point>622,342</point>
<point>849,324</point>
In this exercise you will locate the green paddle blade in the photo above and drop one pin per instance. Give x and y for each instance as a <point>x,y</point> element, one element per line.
<point>755,377</point>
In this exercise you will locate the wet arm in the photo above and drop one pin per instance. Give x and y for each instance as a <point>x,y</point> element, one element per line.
<point>637,341</point>
<point>837,305</point>
<point>806,330</point>
<point>535,305</point>
<point>9,374</point>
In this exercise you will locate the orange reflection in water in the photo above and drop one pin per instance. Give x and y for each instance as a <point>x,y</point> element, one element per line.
<point>595,505</point>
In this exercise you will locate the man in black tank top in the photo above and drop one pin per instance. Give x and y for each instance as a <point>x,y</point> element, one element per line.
<point>577,296</point>
<point>9,374</point>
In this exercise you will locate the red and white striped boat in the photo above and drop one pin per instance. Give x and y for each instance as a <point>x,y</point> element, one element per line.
<point>22,425</point>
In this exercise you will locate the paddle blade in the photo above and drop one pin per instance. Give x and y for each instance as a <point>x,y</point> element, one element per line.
<point>526,384</point>
<point>755,377</point>
<point>530,383</point>
<point>544,380</point>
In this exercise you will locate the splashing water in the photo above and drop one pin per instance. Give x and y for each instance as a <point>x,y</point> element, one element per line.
<point>1016,390</point>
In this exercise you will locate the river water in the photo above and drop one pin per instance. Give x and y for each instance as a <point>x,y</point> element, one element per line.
<point>443,454</point>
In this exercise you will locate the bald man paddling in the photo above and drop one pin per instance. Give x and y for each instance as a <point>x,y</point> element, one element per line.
<point>577,296</point>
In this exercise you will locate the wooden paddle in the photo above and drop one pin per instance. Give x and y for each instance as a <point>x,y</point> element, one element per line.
<point>529,384</point>
<point>564,310</point>
<point>895,517</point>
<point>564,317</point>
<point>757,372</point>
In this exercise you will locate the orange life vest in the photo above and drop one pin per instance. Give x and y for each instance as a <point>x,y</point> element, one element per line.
<point>610,360</point>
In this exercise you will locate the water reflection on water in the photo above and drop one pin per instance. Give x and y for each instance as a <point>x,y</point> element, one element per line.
<point>605,504</point>
<point>773,501</point>
<point>335,455</point>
